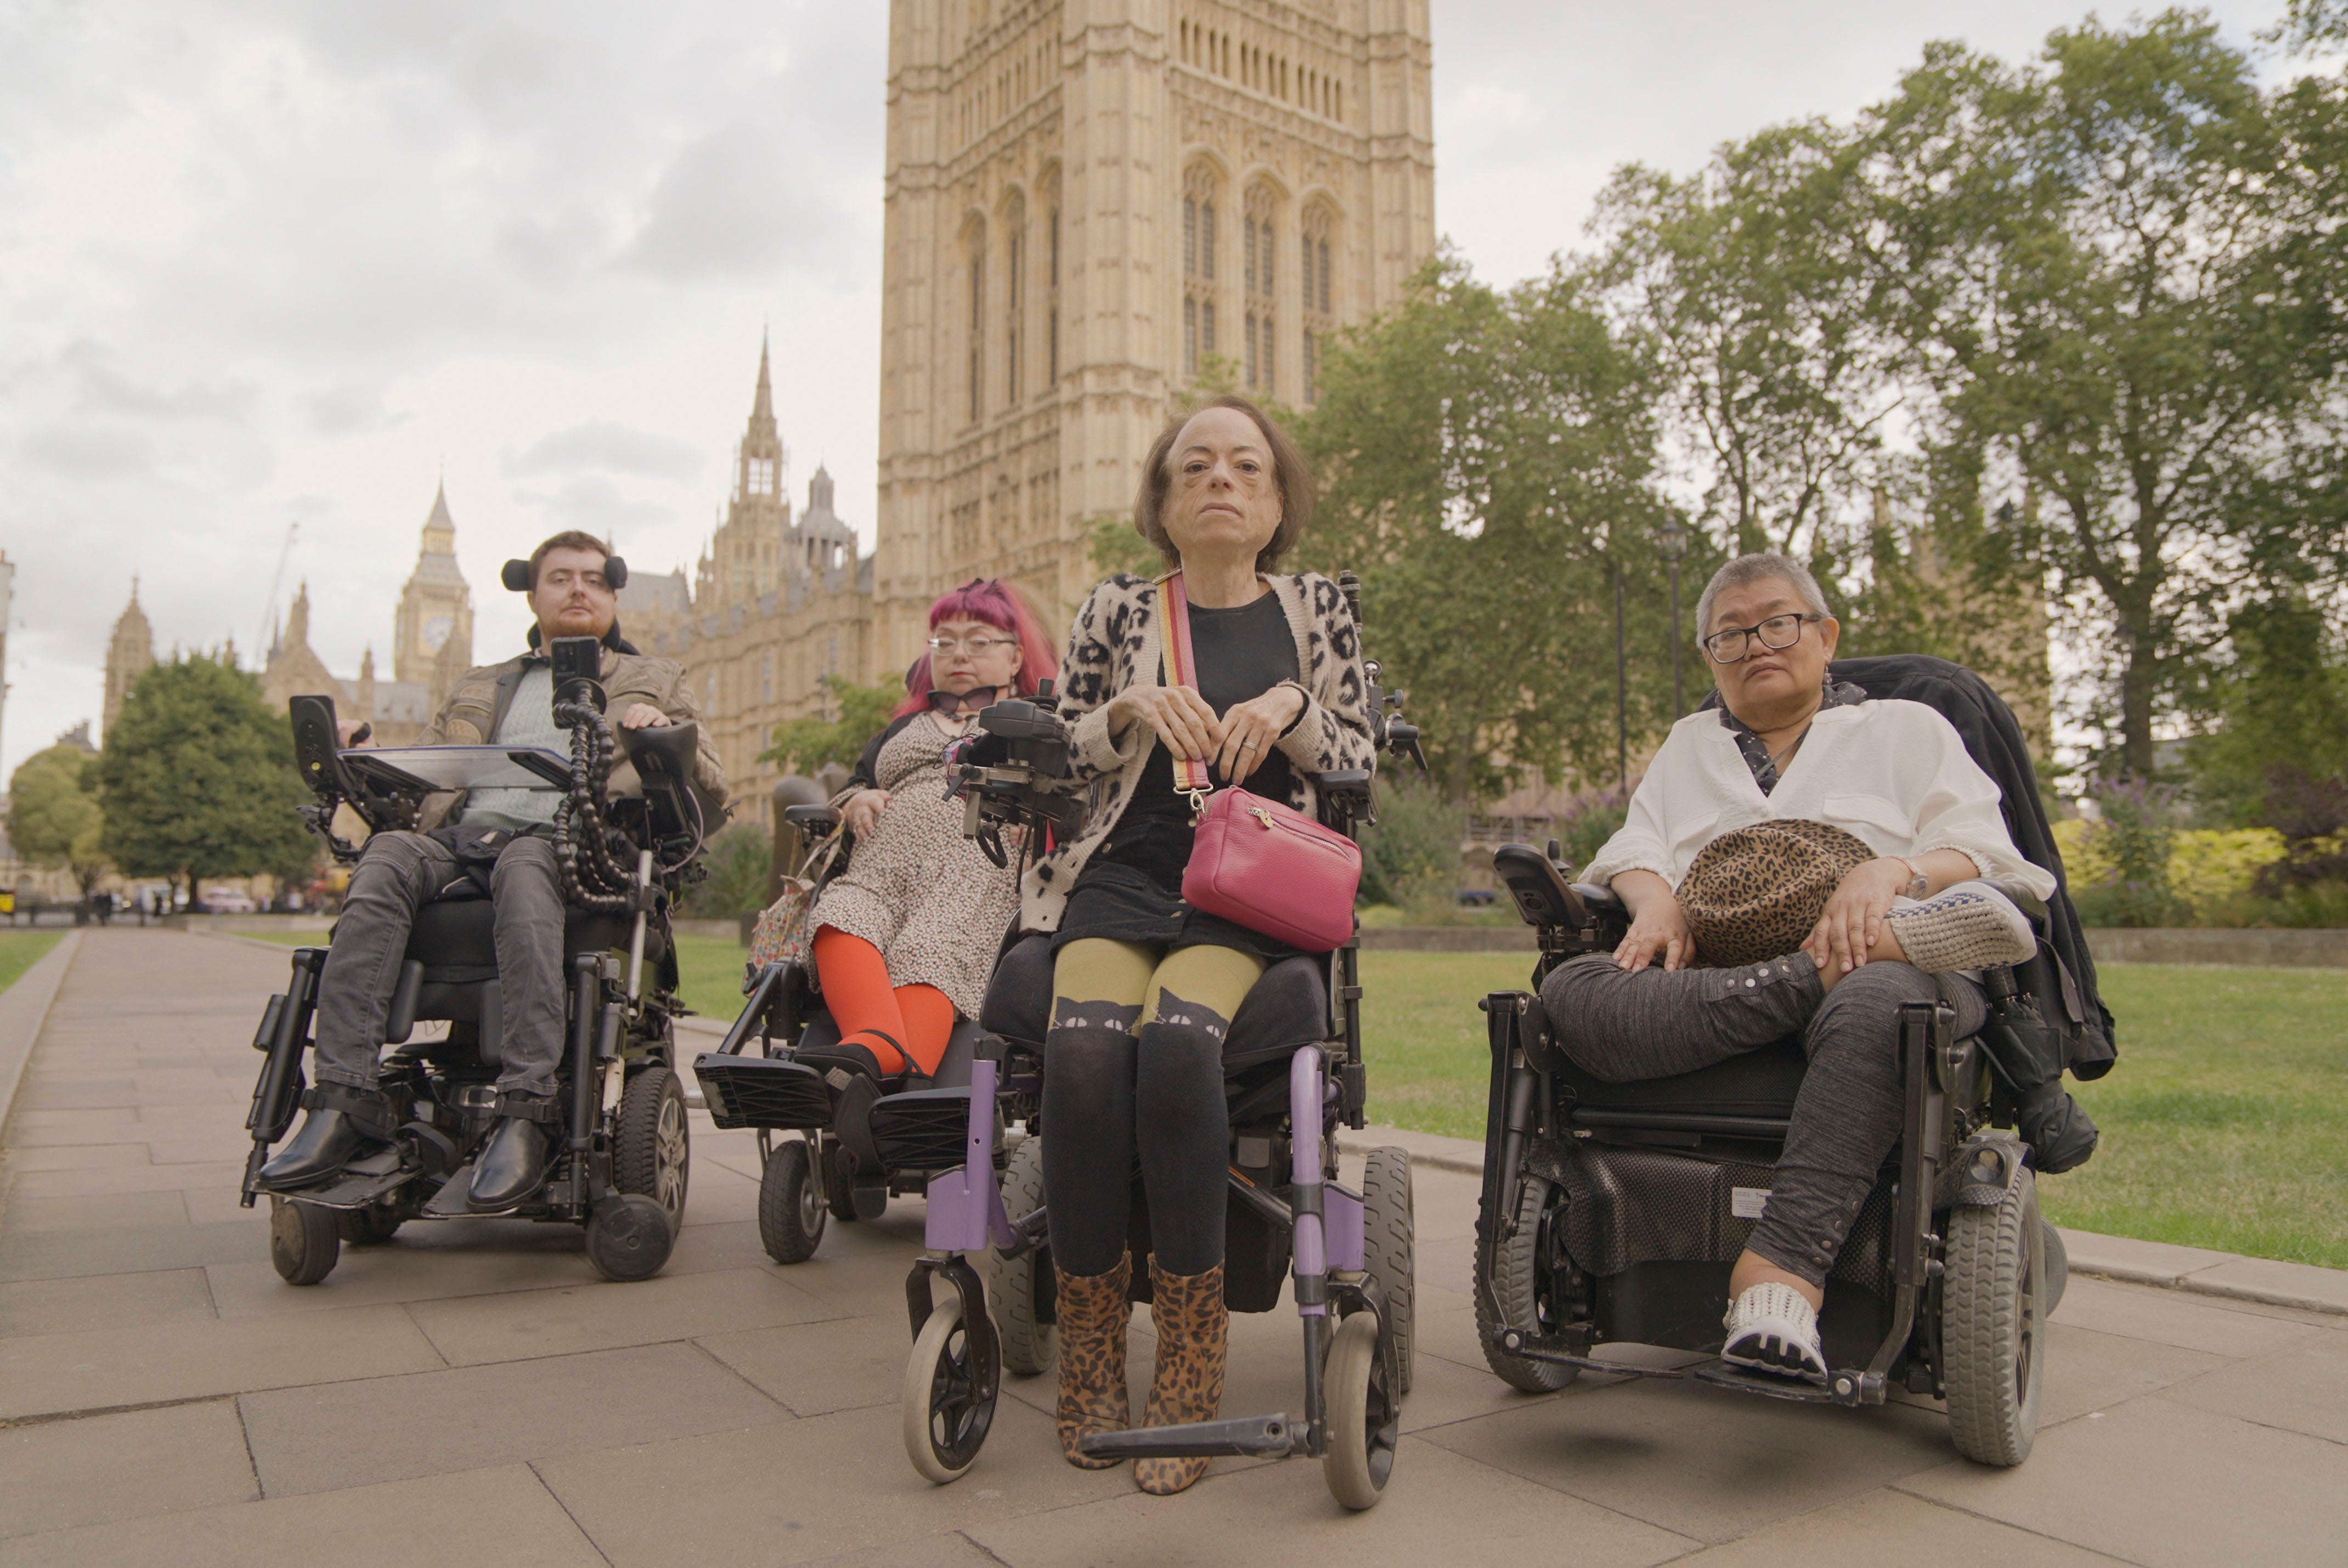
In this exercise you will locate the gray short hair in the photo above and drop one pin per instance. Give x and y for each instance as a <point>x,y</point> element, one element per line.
<point>1758,566</point>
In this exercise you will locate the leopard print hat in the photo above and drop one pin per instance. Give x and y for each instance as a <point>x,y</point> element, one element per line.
<point>1755,893</point>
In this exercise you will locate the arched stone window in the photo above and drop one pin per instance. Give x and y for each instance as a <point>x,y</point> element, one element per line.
<point>1257,235</point>
<point>1015,281</point>
<point>1316,295</point>
<point>974,254</point>
<point>1201,192</point>
<point>1052,283</point>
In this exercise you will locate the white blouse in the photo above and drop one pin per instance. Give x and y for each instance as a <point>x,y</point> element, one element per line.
<point>1893,773</point>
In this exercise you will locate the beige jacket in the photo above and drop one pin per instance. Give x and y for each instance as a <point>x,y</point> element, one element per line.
<point>478,705</point>
<point>1117,643</point>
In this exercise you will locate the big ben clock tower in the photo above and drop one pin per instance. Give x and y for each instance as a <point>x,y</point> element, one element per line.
<point>436,608</point>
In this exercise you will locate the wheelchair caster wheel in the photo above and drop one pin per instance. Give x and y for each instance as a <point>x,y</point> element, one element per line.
<point>1363,1423</point>
<point>629,1238</point>
<point>791,1209</point>
<point>948,1399</point>
<point>370,1227</point>
<point>305,1240</point>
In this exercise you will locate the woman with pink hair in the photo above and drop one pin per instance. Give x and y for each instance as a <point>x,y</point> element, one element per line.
<point>905,936</point>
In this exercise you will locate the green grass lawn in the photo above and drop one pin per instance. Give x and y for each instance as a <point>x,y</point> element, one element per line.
<point>20,950</point>
<point>2225,1123</point>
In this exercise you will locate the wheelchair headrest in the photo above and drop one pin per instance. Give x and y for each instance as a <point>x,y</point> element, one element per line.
<point>516,575</point>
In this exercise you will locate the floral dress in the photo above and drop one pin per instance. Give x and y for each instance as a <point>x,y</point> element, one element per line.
<point>915,888</point>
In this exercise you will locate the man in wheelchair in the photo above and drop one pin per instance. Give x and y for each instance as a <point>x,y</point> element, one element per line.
<point>1829,860</point>
<point>493,843</point>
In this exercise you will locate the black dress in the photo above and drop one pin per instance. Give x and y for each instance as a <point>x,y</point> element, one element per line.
<point>1131,888</point>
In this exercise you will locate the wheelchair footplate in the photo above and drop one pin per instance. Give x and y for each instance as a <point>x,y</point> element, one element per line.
<point>1844,1387</point>
<point>771,1092</point>
<point>359,1183</point>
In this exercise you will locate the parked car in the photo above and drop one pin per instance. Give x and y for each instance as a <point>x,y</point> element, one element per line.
<point>229,902</point>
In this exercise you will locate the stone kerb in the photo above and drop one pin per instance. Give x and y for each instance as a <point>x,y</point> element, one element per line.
<point>24,1009</point>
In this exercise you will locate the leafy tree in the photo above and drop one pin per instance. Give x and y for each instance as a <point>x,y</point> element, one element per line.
<point>1486,461</point>
<point>2283,704</point>
<point>809,744</point>
<point>196,779</point>
<point>1740,286</point>
<point>2117,273</point>
<point>53,817</point>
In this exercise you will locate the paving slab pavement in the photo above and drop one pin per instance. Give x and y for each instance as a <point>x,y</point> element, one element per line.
<point>165,1398</point>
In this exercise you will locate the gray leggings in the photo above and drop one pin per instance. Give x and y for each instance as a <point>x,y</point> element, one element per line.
<point>1625,1028</point>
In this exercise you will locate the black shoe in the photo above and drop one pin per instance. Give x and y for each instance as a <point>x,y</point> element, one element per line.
<point>511,1165</point>
<point>331,1138</point>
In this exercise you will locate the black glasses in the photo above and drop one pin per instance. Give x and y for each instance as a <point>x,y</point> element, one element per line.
<point>1731,644</point>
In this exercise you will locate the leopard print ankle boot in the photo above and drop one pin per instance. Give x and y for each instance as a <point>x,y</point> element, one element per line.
<point>1094,1314</point>
<point>1194,1331</point>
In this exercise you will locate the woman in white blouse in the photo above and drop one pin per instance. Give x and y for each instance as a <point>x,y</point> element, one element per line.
<point>1788,744</point>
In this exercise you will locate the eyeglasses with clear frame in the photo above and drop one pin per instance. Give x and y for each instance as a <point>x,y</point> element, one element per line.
<point>977,647</point>
<point>1731,644</point>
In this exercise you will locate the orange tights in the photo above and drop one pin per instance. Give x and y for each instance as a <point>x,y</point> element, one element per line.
<point>895,1023</point>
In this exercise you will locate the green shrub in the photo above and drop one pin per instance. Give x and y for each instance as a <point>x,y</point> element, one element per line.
<point>737,858</point>
<point>1414,848</point>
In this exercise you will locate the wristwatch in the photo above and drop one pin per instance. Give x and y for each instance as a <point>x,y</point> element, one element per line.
<point>1918,882</point>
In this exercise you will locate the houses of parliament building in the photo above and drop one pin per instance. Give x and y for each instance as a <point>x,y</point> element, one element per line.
<point>1088,205</point>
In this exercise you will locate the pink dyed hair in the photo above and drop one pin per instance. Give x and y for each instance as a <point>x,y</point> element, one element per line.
<point>1000,604</point>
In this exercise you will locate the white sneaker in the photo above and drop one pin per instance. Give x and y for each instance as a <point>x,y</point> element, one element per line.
<point>1965,926</point>
<point>1772,1329</point>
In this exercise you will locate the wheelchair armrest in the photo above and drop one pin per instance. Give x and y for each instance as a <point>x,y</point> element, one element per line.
<point>1602,902</point>
<point>821,818</point>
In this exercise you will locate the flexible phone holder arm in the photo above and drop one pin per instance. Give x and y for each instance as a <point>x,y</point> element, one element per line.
<point>594,877</point>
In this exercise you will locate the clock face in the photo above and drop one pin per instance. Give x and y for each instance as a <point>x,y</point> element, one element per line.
<point>436,632</point>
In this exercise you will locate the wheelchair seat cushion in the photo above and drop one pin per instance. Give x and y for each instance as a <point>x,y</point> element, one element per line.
<point>1288,1007</point>
<point>456,939</point>
<point>1761,1084</point>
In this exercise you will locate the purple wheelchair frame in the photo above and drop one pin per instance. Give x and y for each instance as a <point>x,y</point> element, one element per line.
<point>966,1215</point>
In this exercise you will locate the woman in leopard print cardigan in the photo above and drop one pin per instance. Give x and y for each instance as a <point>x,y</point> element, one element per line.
<point>1144,986</point>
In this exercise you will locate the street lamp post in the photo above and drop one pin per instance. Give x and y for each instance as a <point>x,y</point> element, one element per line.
<point>1673,536</point>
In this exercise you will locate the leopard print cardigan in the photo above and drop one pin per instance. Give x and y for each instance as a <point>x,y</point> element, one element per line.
<point>1117,643</point>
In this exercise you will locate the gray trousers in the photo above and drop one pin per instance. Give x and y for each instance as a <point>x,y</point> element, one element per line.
<point>1628,1028</point>
<point>400,873</point>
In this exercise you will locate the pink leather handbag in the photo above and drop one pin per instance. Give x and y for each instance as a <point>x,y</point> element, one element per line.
<point>1255,861</point>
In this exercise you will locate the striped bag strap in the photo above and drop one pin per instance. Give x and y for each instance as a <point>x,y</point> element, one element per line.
<point>1192,775</point>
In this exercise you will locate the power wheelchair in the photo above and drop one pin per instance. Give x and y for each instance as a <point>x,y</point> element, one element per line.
<point>1611,1212</point>
<point>1292,1061</point>
<point>621,1164</point>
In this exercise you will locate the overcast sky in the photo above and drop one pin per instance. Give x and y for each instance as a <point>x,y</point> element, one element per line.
<point>265,264</point>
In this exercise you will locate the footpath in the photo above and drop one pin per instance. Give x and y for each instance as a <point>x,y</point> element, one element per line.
<point>472,1390</point>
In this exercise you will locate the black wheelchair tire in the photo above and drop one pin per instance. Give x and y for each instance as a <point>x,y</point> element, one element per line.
<point>370,1227</point>
<point>1517,1281</point>
<point>791,1207</point>
<point>1993,1326</point>
<point>1388,1248</point>
<point>629,1237</point>
<point>651,1146</point>
<point>946,1380</point>
<point>305,1240</point>
<point>1364,1425</point>
<point>1030,1347</point>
